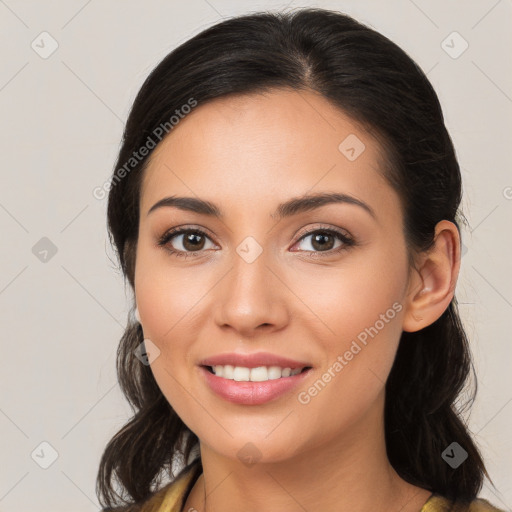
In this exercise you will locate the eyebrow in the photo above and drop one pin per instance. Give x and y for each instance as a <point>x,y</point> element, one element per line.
<point>291,207</point>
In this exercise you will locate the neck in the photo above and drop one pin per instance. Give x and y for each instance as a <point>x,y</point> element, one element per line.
<point>349,474</point>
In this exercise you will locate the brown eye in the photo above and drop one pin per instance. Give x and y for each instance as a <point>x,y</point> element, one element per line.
<point>184,241</point>
<point>193,241</point>
<point>324,240</point>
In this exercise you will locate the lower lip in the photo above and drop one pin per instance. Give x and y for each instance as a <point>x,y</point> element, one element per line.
<point>251,393</point>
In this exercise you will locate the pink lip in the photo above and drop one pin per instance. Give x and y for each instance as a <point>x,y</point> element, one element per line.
<point>253,360</point>
<point>251,393</point>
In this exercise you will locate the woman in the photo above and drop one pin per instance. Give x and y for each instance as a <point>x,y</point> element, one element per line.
<point>285,209</point>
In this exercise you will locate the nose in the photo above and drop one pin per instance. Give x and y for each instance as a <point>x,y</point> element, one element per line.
<point>251,298</point>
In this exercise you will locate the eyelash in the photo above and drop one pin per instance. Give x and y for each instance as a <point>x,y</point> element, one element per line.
<point>347,241</point>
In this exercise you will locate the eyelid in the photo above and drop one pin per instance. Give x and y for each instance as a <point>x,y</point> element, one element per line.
<point>178,230</point>
<point>323,227</point>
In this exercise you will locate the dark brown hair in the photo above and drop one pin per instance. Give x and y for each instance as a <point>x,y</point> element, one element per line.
<point>379,86</point>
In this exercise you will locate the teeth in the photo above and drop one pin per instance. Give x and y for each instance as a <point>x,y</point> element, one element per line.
<point>259,374</point>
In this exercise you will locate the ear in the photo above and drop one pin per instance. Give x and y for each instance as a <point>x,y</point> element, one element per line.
<point>432,284</point>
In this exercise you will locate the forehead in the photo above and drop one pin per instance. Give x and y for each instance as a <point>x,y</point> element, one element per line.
<point>255,150</point>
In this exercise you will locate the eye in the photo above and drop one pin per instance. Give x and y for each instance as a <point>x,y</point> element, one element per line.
<point>323,240</point>
<point>189,241</point>
<point>192,241</point>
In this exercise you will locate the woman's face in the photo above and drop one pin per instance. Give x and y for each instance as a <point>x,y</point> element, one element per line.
<point>259,282</point>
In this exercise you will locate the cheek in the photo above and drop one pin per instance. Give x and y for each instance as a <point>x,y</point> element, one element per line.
<point>167,296</point>
<point>360,311</point>
<point>347,387</point>
<point>170,301</point>
<point>341,302</point>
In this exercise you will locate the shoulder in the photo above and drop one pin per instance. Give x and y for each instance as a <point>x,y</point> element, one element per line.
<point>481,505</point>
<point>171,497</point>
<point>440,504</point>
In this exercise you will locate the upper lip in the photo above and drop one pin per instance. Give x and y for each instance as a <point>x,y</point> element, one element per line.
<point>253,360</point>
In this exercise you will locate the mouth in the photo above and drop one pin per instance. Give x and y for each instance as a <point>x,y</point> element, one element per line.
<point>257,374</point>
<point>253,386</point>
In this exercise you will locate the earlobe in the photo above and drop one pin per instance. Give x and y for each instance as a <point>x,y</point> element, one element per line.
<point>432,285</point>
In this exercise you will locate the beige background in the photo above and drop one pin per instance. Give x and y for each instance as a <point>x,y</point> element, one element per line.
<point>61,123</point>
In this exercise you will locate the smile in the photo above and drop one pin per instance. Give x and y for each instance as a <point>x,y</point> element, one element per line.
<point>258,374</point>
<point>274,382</point>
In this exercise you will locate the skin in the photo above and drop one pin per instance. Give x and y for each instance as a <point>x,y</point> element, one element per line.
<point>247,154</point>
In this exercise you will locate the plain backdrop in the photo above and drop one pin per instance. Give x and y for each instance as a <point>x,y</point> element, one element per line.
<point>63,303</point>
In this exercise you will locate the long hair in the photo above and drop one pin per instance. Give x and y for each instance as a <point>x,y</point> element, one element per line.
<point>375,83</point>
